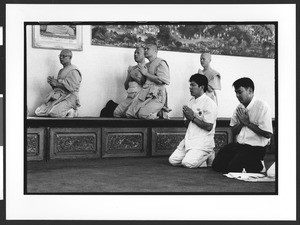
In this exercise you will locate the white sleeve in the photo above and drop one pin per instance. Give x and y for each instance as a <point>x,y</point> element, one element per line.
<point>210,113</point>
<point>265,120</point>
<point>234,119</point>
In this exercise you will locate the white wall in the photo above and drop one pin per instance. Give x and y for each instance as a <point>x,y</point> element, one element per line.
<point>104,69</point>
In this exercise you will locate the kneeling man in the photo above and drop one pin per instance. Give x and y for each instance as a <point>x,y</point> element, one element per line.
<point>252,124</point>
<point>197,147</point>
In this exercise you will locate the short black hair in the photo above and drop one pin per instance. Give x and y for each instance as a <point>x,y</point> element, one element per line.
<point>245,82</point>
<point>200,80</point>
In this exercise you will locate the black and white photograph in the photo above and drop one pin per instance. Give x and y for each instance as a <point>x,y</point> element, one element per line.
<point>142,112</point>
<point>113,124</point>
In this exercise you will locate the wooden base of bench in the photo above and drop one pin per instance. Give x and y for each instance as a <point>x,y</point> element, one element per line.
<point>73,138</point>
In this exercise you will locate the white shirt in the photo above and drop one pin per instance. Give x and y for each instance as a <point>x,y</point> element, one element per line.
<point>197,138</point>
<point>259,114</point>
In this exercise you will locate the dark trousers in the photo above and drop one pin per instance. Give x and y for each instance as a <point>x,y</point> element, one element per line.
<point>234,157</point>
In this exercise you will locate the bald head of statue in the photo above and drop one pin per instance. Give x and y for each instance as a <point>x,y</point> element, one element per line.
<point>205,59</point>
<point>151,51</point>
<point>65,57</point>
<point>66,52</point>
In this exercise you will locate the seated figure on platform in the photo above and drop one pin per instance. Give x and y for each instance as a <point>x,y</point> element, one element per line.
<point>133,83</point>
<point>63,100</point>
<point>252,123</point>
<point>153,96</point>
<point>214,77</point>
<point>200,115</point>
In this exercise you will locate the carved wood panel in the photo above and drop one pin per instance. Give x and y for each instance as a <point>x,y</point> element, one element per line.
<point>75,143</point>
<point>32,144</point>
<point>165,140</point>
<point>223,136</point>
<point>35,144</point>
<point>122,142</point>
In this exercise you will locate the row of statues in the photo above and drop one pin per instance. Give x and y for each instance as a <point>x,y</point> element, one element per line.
<point>145,85</point>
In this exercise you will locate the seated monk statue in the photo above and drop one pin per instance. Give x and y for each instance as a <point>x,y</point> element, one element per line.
<point>63,100</point>
<point>151,100</point>
<point>133,83</point>
<point>214,77</point>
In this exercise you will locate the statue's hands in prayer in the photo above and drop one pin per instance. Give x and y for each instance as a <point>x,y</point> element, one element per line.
<point>188,112</point>
<point>49,78</point>
<point>243,116</point>
<point>53,82</point>
<point>143,69</point>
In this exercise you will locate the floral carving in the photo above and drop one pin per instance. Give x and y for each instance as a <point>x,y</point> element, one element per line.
<point>168,141</point>
<point>76,143</point>
<point>221,139</point>
<point>32,144</point>
<point>124,141</point>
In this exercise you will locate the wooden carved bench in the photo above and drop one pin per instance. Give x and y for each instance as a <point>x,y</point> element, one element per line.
<point>90,137</point>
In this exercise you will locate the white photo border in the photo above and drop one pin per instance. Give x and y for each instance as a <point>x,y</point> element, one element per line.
<point>150,207</point>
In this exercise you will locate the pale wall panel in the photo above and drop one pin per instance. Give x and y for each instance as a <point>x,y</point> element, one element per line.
<point>104,69</point>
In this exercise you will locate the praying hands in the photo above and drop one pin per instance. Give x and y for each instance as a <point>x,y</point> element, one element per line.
<point>188,112</point>
<point>243,116</point>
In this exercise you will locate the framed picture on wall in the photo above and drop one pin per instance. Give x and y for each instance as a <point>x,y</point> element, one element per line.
<point>234,39</point>
<point>57,37</point>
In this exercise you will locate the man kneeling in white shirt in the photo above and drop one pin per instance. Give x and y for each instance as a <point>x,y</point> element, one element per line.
<point>252,124</point>
<point>197,147</point>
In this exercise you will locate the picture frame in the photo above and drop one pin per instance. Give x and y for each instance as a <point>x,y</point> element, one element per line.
<point>234,39</point>
<point>57,37</point>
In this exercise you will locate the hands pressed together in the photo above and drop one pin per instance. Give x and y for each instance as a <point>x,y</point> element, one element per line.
<point>143,69</point>
<point>243,116</point>
<point>188,112</point>
<point>52,81</point>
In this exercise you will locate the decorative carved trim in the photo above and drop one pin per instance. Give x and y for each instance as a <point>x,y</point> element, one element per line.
<point>165,140</point>
<point>223,136</point>
<point>221,139</point>
<point>122,142</point>
<point>121,137</point>
<point>35,144</point>
<point>75,143</point>
<point>168,141</point>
